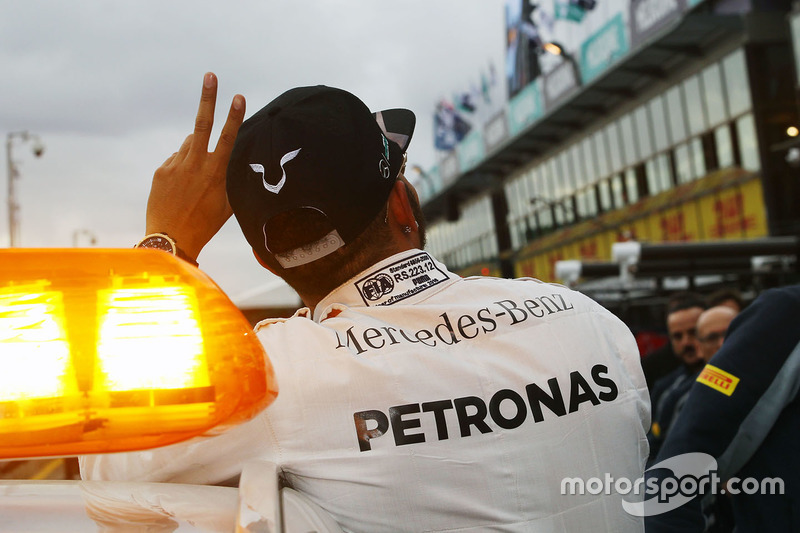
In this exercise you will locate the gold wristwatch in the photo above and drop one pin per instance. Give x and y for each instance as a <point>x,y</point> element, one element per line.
<point>162,241</point>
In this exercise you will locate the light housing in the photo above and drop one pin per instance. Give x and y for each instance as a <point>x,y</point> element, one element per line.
<point>107,350</point>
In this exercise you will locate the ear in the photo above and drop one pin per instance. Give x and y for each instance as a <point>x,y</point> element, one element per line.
<point>400,216</point>
<point>399,210</point>
<point>262,263</point>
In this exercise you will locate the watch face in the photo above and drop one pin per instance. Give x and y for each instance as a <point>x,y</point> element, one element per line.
<point>157,242</point>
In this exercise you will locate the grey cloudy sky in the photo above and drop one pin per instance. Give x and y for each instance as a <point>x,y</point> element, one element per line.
<point>111,87</point>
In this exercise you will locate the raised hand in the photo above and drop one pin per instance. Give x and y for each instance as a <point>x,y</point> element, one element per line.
<point>187,198</point>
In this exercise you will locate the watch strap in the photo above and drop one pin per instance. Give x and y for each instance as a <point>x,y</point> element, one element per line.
<point>180,253</point>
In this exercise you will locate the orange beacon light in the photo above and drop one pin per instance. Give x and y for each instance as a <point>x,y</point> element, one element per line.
<point>116,350</point>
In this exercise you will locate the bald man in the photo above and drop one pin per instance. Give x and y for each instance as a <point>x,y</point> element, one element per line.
<point>712,325</point>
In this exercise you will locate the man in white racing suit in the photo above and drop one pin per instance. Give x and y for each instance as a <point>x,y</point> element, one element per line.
<point>411,399</point>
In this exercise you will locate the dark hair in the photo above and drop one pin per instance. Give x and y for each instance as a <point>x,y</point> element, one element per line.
<point>685,300</point>
<point>722,295</point>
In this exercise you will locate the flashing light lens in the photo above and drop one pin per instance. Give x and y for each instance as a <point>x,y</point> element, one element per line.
<point>117,350</point>
<point>34,342</point>
<point>792,131</point>
<point>147,329</point>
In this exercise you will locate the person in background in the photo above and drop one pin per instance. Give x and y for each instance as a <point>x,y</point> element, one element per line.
<point>683,310</point>
<point>729,297</point>
<point>411,399</point>
<point>744,412</point>
<point>712,326</point>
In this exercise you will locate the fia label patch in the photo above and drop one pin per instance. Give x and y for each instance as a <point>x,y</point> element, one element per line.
<point>400,280</point>
<point>718,379</point>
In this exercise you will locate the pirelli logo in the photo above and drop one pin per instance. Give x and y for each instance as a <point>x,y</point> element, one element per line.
<point>718,379</point>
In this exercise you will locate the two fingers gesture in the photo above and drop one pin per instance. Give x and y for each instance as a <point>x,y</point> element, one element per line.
<point>187,199</point>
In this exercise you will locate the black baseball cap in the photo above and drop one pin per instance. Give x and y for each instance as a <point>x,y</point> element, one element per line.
<point>315,148</point>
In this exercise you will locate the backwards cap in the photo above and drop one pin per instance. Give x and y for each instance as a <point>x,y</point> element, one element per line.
<point>315,148</point>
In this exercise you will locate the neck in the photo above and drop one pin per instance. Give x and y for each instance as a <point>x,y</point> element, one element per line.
<point>312,298</point>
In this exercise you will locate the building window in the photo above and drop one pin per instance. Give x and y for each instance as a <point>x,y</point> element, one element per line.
<point>588,168</point>
<point>591,202</point>
<point>569,207</point>
<point>491,245</point>
<point>694,105</point>
<point>546,189</point>
<point>526,190</point>
<point>604,192</point>
<point>714,95</point>
<point>661,138</point>
<point>535,184</point>
<point>544,216</point>
<point>658,174</point>
<point>748,144</point>
<point>698,158</point>
<point>583,209</point>
<point>570,171</point>
<point>736,82</point>
<point>579,177</point>
<point>653,177</point>
<point>665,170</point>
<point>557,178</point>
<point>547,195</point>
<point>629,144</point>
<point>614,148</point>
<point>517,230</point>
<point>601,153</point>
<point>562,181</point>
<point>640,117</point>
<point>724,145</point>
<point>677,114</point>
<point>512,192</point>
<point>532,228</point>
<point>526,194</point>
<point>558,214</point>
<point>631,185</point>
<point>683,164</point>
<point>618,191</point>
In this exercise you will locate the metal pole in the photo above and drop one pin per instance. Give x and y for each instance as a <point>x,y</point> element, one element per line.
<point>12,172</point>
